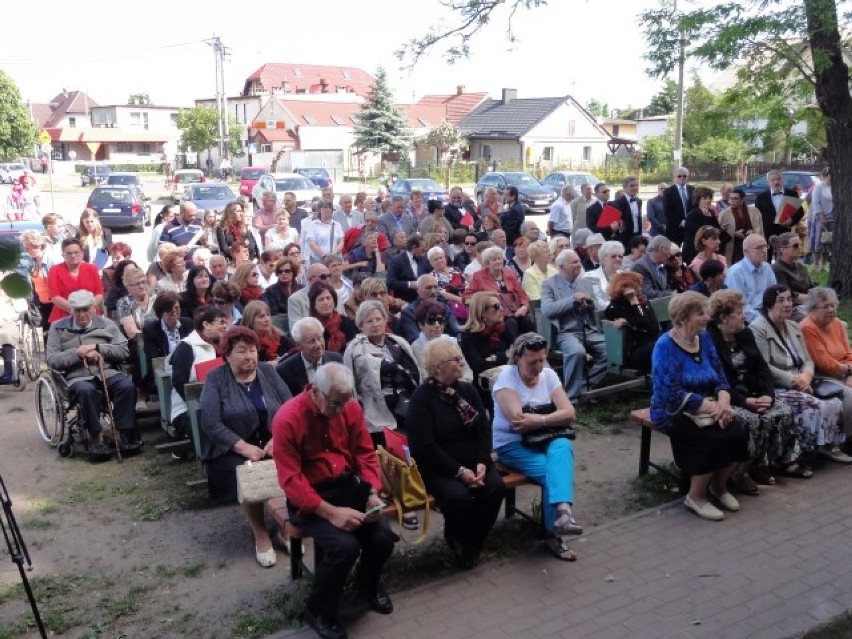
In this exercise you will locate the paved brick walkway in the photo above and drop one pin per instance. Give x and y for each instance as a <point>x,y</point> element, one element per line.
<point>779,566</point>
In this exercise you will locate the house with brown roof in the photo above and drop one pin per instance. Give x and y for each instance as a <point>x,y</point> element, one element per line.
<point>280,78</point>
<point>456,106</point>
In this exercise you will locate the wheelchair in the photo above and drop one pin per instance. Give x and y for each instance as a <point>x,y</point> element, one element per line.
<point>59,421</point>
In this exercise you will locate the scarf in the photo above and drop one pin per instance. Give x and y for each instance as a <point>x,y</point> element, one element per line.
<point>251,292</point>
<point>236,230</point>
<point>450,395</point>
<point>495,336</point>
<point>268,344</point>
<point>336,340</point>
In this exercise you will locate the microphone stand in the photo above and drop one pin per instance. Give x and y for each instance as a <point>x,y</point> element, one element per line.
<point>18,551</point>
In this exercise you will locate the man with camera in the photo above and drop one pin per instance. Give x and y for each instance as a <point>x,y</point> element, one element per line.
<point>568,302</point>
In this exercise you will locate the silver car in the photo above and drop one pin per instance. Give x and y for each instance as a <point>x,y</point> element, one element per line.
<point>280,183</point>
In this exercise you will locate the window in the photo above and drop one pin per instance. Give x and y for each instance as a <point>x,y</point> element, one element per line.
<point>135,118</point>
<point>173,118</point>
<point>347,75</point>
<point>337,120</point>
<point>587,153</point>
<point>266,148</point>
<point>615,128</point>
<point>486,151</point>
<point>309,119</point>
<point>72,123</point>
<point>572,128</point>
<point>424,122</point>
<point>547,154</point>
<point>297,72</point>
<point>145,120</point>
<point>123,147</point>
<point>143,148</point>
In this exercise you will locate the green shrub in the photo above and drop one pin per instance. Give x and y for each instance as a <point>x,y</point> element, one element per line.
<point>134,168</point>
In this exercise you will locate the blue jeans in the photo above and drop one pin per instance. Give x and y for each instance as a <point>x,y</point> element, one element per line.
<point>553,469</point>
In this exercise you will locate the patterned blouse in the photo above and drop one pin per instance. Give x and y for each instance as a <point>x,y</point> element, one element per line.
<point>127,306</point>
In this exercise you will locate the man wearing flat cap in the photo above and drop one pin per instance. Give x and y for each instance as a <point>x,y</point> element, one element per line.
<point>75,346</point>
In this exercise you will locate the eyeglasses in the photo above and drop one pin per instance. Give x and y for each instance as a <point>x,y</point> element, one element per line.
<point>681,175</point>
<point>435,320</point>
<point>794,246</point>
<point>470,243</point>
<point>493,307</point>
<point>284,270</point>
<point>324,276</point>
<point>458,359</point>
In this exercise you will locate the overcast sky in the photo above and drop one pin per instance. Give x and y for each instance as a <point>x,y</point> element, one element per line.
<point>587,48</point>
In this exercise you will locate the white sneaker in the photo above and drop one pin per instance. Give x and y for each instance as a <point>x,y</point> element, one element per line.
<point>705,511</point>
<point>265,559</point>
<point>726,499</point>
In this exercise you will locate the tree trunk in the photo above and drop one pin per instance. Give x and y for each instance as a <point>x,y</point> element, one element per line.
<point>832,93</point>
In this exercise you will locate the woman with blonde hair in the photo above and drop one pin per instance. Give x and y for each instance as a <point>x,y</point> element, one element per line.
<point>174,268</point>
<point>542,268</point>
<point>246,278</point>
<point>271,342</point>
<point>486,337</point>
<point>95,238</point>
<point>155,270</point>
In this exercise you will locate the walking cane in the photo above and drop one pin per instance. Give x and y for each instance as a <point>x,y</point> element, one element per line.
<point>109,410</point>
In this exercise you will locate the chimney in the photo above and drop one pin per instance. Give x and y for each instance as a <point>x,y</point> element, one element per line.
<point>509,95</point>
<point>459,89</point>
<point>323,85</point>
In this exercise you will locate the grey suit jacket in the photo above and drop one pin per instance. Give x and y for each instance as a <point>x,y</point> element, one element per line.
<point>654,283</point>
<point>388,225</point>
<point>557,304</point>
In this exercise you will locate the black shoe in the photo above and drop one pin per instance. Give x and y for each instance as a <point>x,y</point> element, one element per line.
<point>380,601</point>
<point>99,452</point>
<point>130,443</point>
<point>325,627</point>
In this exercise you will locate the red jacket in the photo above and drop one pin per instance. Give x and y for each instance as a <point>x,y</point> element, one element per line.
<point>483,281</point>
<point>61,284</point>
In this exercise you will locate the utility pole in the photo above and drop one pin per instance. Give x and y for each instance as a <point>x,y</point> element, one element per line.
<point>219,53</point>
<point>223,53</point>
<point>678,140</point>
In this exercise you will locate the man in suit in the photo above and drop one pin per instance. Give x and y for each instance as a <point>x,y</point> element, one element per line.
<point>396,220</point>
<point>652,268</point>
<point>656,211</point>
<point>298,304</point>
<point>427,290</point>
<point>298,369</point>
<point>346,216</point>
<point>631,211</point>
<point>568,302</point>
<point>595,209</point>
<point>161,336</point>
<point>579,207</point>
<point>405,268</point>
<point>458,208</point>
<point>676,204</point>
<point>513,217</point>
<point>769,203</point>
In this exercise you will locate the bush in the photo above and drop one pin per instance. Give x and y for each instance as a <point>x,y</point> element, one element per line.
<point>133,168</point>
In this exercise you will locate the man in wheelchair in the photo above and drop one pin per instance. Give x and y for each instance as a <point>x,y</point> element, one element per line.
<point>80,347</point>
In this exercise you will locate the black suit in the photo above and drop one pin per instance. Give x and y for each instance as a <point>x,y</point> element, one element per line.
<point>764,204</point>
<point>156,344</point>
<point>593,214</point>
<point>292,370</point>
<point>628,232</point>
<point>675,211</point>
<point>399,274</point>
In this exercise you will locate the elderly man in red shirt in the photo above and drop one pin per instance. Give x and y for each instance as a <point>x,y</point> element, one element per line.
<point>329,470</point>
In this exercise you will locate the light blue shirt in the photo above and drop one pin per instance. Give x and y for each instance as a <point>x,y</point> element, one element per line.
<point>751,281</point>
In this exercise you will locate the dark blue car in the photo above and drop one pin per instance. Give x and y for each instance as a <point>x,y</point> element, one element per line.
<point>430,189</point>
<point>120,205</point>
<point>318,176</point>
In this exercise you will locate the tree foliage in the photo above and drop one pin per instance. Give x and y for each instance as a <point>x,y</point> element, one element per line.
<point>469,17</point>
<point>17,131</point>
<point>664,102</point>
<point>597,108</point>
<point>379,126</point>
<point>200,131</point>
<point>138,98</point>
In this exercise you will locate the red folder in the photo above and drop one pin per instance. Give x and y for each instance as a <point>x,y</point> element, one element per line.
<point>394,443</point>
<point>203,368</point>
<point>789,207</point>
<point>609,216</point>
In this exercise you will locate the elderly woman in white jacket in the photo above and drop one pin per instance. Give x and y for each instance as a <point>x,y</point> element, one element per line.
<point>384,367</point>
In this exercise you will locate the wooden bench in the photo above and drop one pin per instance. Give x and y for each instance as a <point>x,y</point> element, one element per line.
<point>276,508</point>
<point>642,417</point>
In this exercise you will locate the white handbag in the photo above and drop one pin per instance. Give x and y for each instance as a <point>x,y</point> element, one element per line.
<point>257,482</point>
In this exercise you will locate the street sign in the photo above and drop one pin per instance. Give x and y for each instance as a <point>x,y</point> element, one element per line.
<point>46,148</point>
<point>44,138</point>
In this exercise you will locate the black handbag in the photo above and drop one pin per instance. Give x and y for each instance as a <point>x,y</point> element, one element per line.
<point>540,438</point>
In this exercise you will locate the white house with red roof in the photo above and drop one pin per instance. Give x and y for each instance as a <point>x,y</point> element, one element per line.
<point>280,78</point>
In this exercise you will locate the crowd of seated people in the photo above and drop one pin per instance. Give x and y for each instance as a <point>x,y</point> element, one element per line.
<point>437,334</point>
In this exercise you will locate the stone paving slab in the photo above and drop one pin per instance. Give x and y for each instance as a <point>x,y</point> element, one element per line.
<point>779,566</point>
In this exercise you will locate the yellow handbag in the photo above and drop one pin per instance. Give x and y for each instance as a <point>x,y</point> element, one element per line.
<point>404,486</point>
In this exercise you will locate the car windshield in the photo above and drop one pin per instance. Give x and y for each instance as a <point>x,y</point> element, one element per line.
<point>251,173</point>
<point>314,172</point>
<point>425,185</point>
<point>122,179</point>
<point>186,178</point>
<point>294,184</point>
<point>520,179</point>
<point>105,197</point>
<point>16,167</point>
<point>212,192</point>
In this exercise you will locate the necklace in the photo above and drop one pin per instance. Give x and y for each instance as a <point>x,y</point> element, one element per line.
<point>246,386</point>
<point>688,346</point>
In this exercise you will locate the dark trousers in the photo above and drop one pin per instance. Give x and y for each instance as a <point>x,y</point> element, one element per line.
<point>338,551</point>
<point>469,513</point>
<point>519,325</point>
<point>88,396</point>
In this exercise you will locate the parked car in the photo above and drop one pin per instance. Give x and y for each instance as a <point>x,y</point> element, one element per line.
<point>558,179</point>
<point>182,178</point>
<point>126,177</point>
<point>121,205</point>
<point>318,176</point>
<point>280,183</point>
<point>11,172</point>
<point>249,176</point>
<point>430,188</point>
<point>806,179</point>
<point>209,197</point>
<point>95,174</point>
<point>531,193</point>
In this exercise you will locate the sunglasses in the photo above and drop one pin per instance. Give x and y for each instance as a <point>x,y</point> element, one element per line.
<point>493,307</point>
<point>470,243</point>
<point>284,270</point>
<point>434,321</point>
<point>324,276</point>
<point>533,344</point>
<point>682,176</point>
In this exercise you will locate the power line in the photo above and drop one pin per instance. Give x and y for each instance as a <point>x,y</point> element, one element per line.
<point>129,54</point>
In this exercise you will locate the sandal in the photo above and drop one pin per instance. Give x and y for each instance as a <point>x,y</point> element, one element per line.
<point>566,524</point>
<point>558,548</point>
<point>762,476</point>
<point>797,471</point>
<point>745,485</point>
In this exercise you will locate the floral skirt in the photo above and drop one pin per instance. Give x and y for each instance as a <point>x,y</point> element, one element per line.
<point>816,422</point>
<point>772,439</point>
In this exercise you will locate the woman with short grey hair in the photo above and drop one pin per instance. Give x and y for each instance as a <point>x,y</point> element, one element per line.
<point>496,278</point>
